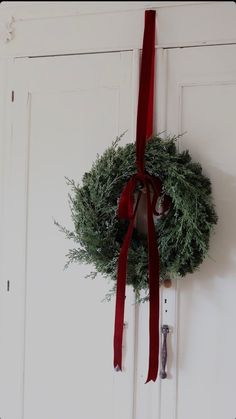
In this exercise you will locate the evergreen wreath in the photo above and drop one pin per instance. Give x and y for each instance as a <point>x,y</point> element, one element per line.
<point>183,231</point>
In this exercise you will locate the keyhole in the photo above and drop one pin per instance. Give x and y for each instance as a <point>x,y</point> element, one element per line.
<point>165,301</point>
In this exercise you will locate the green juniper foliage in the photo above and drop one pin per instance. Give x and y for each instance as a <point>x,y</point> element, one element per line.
<point>183,232</point>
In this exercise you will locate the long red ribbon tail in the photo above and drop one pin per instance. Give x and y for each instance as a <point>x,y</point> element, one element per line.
<point>153,270</point>
<point>120,298</point>
<point>146,89</point>
<point>120,291</point>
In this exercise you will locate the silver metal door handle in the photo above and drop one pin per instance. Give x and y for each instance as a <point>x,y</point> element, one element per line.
<point>164,330</point>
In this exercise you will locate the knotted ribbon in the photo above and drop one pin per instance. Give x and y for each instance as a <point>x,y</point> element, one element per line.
<point>128,210</point>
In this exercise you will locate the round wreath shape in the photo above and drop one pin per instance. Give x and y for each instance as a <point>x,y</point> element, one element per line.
<point>183,231</point>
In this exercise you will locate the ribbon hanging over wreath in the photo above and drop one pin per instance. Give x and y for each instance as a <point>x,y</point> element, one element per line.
<point>127,210</point>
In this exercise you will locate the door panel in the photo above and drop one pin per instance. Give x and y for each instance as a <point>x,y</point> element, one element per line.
<point>66,110</point>
<point>201,103</point>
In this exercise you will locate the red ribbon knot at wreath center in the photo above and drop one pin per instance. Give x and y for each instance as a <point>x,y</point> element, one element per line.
<point>150,184</point>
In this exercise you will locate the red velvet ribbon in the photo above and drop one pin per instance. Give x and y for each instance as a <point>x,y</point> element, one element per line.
<point>128,210</point>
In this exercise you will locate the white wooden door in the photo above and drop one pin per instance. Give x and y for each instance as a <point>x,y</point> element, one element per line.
<point>201,101</point>
<point>57,346</point>
<point>65,110</point>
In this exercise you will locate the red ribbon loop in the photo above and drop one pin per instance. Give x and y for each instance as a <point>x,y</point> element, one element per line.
<point>127,208</point>
<point>146,89</point>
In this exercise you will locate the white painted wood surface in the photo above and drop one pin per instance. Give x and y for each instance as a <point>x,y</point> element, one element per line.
<point>195,92</point>
<point>201,102</point>
<point>119,28</point>
<point>66,110</point>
